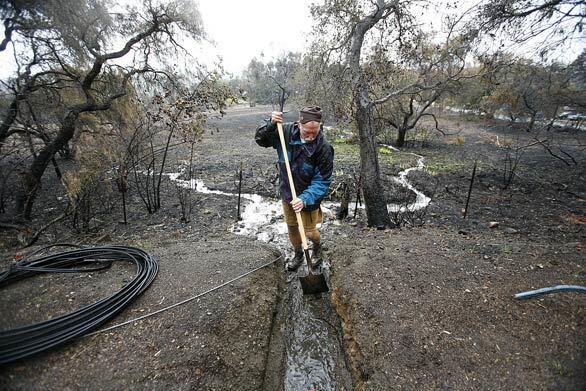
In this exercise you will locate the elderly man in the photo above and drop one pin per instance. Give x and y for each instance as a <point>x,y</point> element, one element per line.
<point>311,159</point>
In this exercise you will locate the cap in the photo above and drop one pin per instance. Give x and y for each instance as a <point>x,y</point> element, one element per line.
<point>310,113</point>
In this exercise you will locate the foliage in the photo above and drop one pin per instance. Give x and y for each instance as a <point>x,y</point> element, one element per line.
<point>272,82</point>
<point>167,120</point>
<point>325,84</point>
<point>554,24</point>
<point>526,89</point>
<point>88,187</point>
<point>66,54</point>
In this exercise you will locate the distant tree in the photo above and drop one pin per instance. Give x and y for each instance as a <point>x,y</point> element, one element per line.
<point>281,72</point>
<point>273,81</point>
<point>317,81</point>
<point>529,90</point>
<point>258,85</point>
<point>429,72</point>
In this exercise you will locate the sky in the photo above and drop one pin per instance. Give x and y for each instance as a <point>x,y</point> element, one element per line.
<point>242,30</point>
<point>245,29</point>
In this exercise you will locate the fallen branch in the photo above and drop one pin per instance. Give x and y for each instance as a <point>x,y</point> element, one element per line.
<point>33,239</point>
<point>548,149</point>
<point>11,226</point>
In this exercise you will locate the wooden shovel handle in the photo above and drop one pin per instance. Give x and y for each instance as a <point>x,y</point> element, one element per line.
<point>292,185</point>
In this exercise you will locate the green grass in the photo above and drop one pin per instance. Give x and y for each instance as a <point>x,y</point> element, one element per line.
<point>441,163</point>
<point>436,161</point>
<point>346,153</point>
<point>559,370</point>
<point>398,159</point>
<point>506,249</point>
<point>344,140</point>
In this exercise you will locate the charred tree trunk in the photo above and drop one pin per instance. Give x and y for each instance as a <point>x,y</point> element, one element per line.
<point>32,178</point>
<point>9,28</point>
<point>282,99</point>
<point>20,95</point>
<point>374,198</point>
<point>401,133</point>
<point>8,120</point>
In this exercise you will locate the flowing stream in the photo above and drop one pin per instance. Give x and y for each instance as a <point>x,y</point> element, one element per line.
<point>421,200</point>
<point>307,327</point>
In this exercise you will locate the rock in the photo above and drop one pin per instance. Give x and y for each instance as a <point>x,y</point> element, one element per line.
<point>510,230</point>
<point>462,232</point>
<point>493,224</point>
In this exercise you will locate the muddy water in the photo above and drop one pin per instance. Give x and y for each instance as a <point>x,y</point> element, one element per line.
<point>314,352</point>
<point>421,200</point>
<point>306,350</point>
<point>310,329</point>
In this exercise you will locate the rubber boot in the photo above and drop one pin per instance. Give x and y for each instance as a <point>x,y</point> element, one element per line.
<point>317,255</point>
<point>296,261</point>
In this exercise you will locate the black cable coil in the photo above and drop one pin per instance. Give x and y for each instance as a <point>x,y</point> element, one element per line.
<point>28,340</point>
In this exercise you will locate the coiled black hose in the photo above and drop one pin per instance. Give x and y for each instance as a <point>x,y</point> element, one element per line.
<point>28,340</point>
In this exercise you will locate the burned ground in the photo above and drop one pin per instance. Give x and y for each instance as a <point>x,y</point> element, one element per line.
<point>423,306</point>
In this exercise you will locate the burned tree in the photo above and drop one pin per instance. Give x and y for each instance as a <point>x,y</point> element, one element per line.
<point>83,58</point>
<point>393,69</point>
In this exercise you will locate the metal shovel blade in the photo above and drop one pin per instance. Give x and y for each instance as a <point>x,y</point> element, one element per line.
<point>313,283</point>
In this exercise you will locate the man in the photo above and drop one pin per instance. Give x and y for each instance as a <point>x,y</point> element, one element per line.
<point>311,159</point>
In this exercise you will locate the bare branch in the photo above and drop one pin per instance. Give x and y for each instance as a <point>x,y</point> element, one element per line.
<point>9,28</point>
<point>396,93</point>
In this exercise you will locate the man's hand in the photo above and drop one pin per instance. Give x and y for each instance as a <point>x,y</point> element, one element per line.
<point>297,205</point>
<point>276,117</point>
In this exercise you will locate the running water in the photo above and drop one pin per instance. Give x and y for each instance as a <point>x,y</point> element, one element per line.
<point>421,200</point>
<point>314,355</point>
<point>261,218</point>
<point>312,337</point>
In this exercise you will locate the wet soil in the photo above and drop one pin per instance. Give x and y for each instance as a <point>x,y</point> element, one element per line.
<point>427,305</point>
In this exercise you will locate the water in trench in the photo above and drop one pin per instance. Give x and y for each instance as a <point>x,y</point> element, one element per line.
<point>307,329</point>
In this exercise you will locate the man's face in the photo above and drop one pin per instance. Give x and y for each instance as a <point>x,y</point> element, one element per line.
<point>309,130</point>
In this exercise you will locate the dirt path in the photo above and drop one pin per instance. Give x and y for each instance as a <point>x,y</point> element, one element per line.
<point>425,307</point>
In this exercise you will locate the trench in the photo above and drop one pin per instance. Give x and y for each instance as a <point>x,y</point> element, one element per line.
<point>306,350</point>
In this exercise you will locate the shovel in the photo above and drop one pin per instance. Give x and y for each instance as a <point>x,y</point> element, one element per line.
<point>312,282</point>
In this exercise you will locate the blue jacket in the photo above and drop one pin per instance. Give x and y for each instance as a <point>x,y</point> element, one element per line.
<point>311,163</point>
